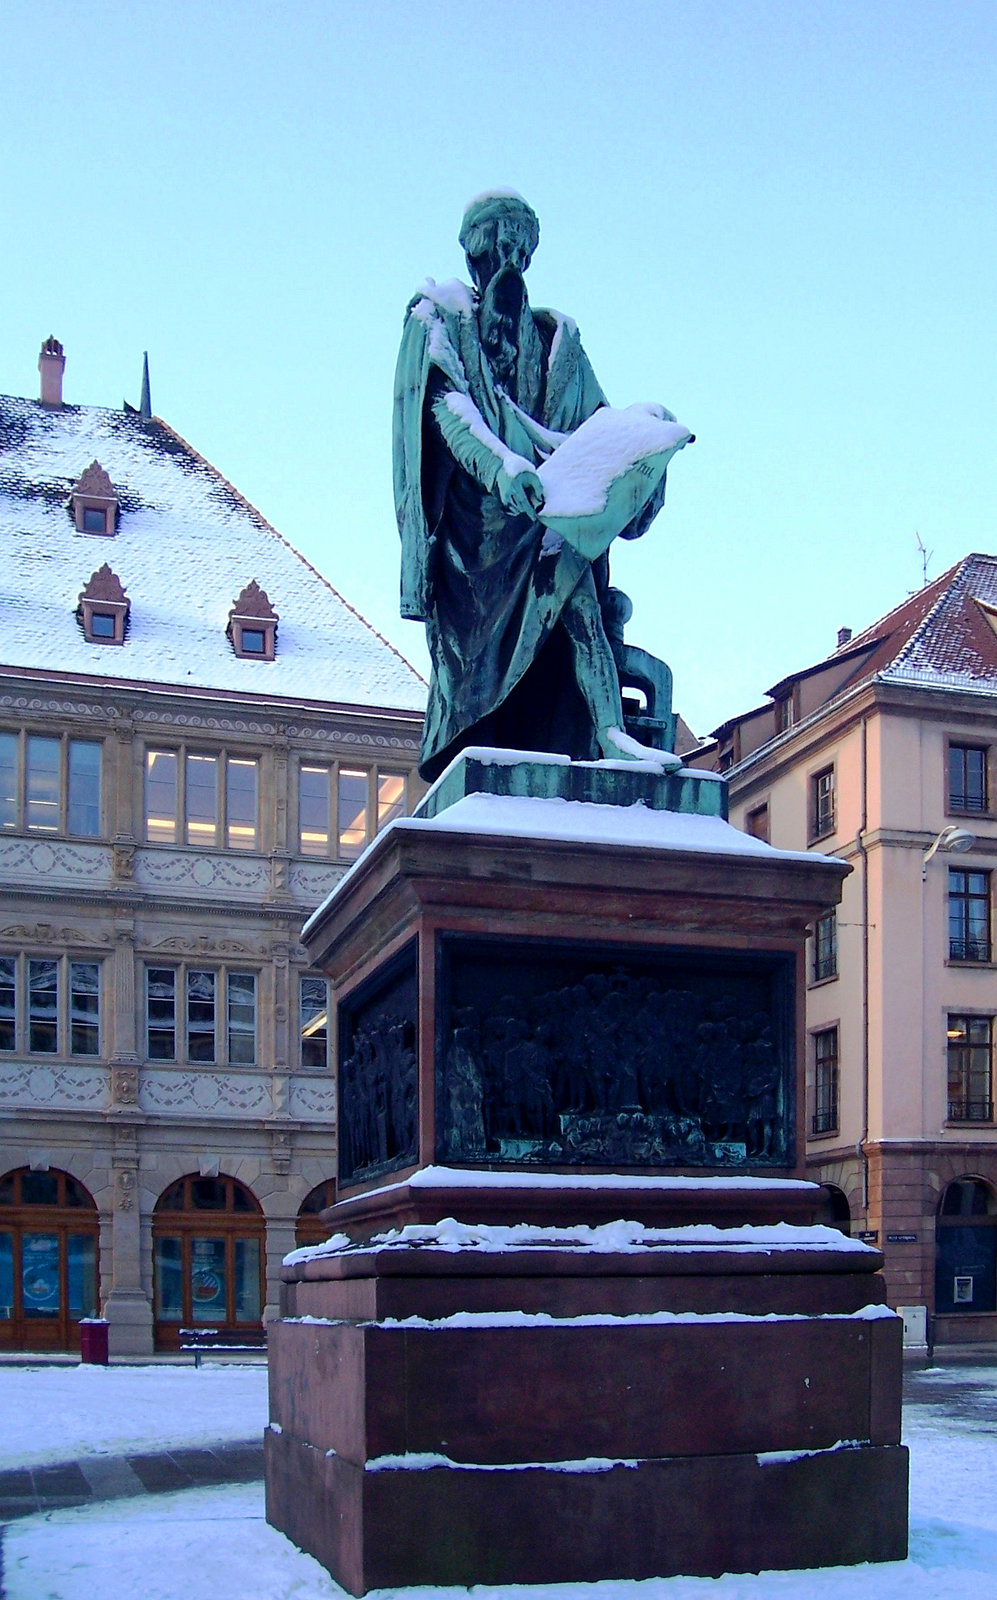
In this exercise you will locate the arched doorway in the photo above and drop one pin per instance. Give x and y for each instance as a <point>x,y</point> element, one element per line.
<point>833,1209</point>
<point>48,1260</point>
<point>309,1228</point>
<point>966,1253</point>
<point>207,1238</point>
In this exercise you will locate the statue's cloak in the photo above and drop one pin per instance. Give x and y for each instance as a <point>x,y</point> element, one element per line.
<point>490,586</point>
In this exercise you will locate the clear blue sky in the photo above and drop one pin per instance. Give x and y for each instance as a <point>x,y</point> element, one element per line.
<point>777,218</point>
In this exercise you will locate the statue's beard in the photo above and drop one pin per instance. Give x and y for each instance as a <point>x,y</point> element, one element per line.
<point>509,336</point>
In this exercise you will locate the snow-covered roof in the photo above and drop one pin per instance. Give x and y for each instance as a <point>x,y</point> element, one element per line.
<point>186,545</point>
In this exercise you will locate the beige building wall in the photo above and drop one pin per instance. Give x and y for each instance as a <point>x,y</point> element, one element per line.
<point>126,1126</point>
<point>894,1149</point>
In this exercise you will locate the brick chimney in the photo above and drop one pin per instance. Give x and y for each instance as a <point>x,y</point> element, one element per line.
<point>51,365</point>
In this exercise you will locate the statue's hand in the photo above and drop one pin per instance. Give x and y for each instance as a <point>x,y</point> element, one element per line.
<point>522,493</point>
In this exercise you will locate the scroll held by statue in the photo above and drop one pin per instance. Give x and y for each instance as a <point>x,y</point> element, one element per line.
<point>600,480</point>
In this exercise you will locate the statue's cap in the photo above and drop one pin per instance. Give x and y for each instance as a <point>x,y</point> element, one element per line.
<point>499,203</point>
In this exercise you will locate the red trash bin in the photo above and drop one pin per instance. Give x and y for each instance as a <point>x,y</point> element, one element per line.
<point>93,1341</point>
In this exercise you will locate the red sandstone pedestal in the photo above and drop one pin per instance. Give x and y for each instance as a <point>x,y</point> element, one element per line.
<point>513,1363</point>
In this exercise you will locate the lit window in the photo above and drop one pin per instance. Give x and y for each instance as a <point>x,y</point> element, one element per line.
<point>50,784</point>
<point>969,915</point>
<point>970,1056</point>
<point>161,796</point>
<point>314,1017</point>
<point>967,778</point>
<point>8,779</point>
<point>336,807</point>
<point>390,797</point>
<point>241,803</point>
<point>202,799</point>
<point>313,810</point>
<point>44,759</point>
<point>352,813</point>
<point>825,1118</point>
<point>825,947</point>
<point>822,806</point>
<point>220,799</point>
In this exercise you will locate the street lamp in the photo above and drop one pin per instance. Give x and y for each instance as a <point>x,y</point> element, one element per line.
<point>951,841</point>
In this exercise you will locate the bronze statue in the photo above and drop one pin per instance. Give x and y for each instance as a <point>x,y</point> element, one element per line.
<point>512,476</point>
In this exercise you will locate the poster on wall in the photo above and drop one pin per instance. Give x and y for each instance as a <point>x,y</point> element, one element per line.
<point>207,1280</point>
<point>40,1274</point>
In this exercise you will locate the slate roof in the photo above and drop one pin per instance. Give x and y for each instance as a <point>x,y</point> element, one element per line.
<point>187,543</point>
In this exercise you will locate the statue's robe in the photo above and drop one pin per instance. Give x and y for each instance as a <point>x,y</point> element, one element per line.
<point>492,587</point>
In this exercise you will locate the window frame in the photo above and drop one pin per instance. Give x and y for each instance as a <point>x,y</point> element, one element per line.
<point>964,1107</point>
<point>225,759</point>
<point>825,1121</point>
<point>25,1017</point>
<point>220,1028</point>
<point>303,1021</point>
<point>757,822</point>
<point>376,814</point>
<point>965,747</point>
<point>65,800</point>
<point>823,820</point>
<point>962,944</point>
<point>824,952</point>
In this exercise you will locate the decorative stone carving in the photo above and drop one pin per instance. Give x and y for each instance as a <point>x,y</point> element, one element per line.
<point>280,1151</point>
<point>203,945</point>
<point>48,933</point>
<point>310,882</point>
<point>124,1086</point>
<point>53,859</point>
<point>123,861</point>
<point>28,1084</point>
<point>158,869</point>
<point>126,1182</point>
<point>208,1093</point>
<point>349,736</point>
<point>312,1101</point>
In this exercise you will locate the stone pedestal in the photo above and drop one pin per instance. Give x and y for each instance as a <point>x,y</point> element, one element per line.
<point>574,1322</point>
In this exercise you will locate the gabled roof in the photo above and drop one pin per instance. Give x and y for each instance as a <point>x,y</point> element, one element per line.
<point>186,543</point>
<point>944,636</point>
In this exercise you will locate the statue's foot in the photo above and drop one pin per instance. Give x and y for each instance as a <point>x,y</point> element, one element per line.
<point>614,743</point>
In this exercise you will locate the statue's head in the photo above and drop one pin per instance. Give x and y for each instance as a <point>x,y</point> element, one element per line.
<point>499,230</point>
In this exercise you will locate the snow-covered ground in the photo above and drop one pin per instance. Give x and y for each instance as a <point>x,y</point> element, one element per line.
<point>61,1413</point>
<point>207,1543</point>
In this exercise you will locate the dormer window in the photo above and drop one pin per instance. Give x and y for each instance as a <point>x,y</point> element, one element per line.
<point>103,608</point>
<point>252,625</point>
<point>94,502</point>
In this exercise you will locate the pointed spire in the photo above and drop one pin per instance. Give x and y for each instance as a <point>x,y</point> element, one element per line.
<point>145,404</point>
